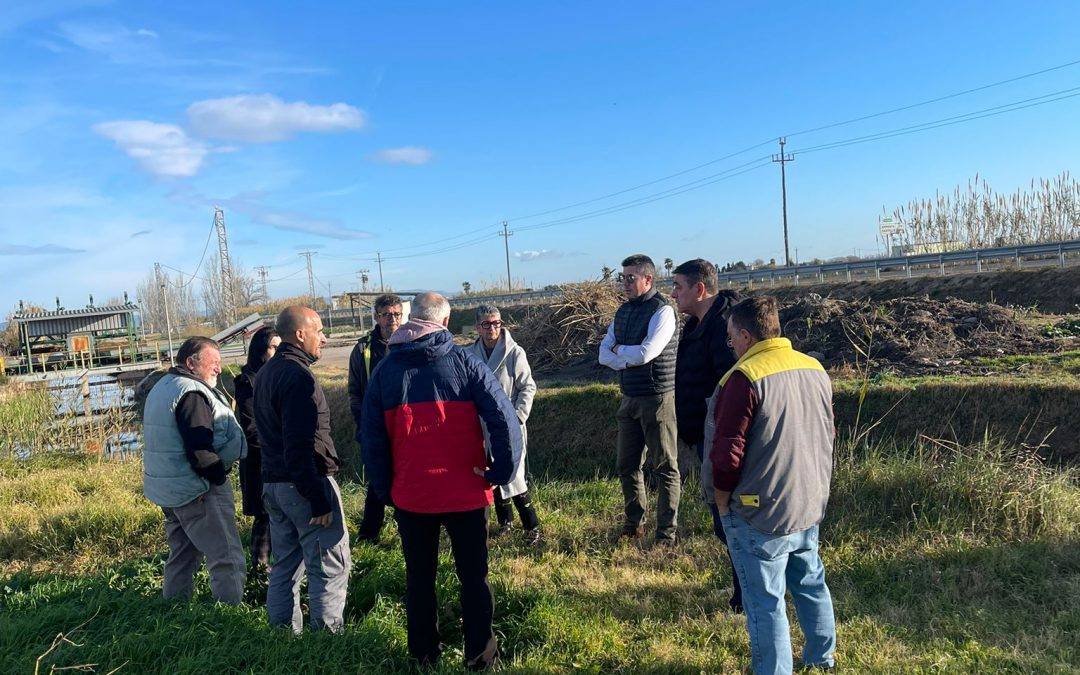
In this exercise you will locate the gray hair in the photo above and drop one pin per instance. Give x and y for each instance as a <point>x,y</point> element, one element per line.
<point>486,310</point>
<point>430,306</point>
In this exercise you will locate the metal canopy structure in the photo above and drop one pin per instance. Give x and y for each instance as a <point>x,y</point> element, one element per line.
<point>59,324</point>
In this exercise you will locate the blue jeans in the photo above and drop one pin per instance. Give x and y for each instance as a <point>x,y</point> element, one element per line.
<point>769,564</point>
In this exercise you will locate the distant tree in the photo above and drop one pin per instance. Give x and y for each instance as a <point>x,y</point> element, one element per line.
<point>246,291</point>
<point>668,264</point>
<point>772,262</point>
<point>466,287</point>
<point>606,273</point>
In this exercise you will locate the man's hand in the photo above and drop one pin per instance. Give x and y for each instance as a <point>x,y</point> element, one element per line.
<point>322,521</point>
<point>723,501</point>
<point>479,471</point>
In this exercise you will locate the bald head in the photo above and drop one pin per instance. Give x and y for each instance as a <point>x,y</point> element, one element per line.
<point>432,307</point>
<point>302,327</point>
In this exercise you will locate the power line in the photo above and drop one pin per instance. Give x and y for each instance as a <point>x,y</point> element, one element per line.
<point>935,100</point>
<point>949,121</point>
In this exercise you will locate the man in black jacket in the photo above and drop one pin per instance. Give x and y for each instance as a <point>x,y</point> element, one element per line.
<point>307,524</point>
<point>703,358</point>
<point>367,354</point>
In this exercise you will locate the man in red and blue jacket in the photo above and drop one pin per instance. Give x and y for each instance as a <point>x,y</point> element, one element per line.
<point>423,449</point>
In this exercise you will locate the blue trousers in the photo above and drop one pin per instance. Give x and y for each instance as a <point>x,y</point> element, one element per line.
<point>768,565</point>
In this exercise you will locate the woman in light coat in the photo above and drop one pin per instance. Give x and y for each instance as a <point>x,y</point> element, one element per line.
<point>507,361</point>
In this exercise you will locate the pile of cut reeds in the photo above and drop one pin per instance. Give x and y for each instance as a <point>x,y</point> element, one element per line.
<point>561,333</point>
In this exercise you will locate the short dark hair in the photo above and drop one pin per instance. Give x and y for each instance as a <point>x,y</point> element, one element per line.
<point>194,347</point>
<point>759,315</point>
<point>260,342</point>
<point>701,270</point>
<point>386,300</point>
<point>485,310</point>
<point>640,260</point>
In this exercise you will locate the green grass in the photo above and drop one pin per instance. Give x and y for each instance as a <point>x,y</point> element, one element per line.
<point>1061,365</point>
<point>940,558</point>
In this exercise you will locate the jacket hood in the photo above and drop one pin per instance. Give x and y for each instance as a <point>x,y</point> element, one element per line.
<point>504,346</point>
<point>414,329</point>
<point>423,349</point>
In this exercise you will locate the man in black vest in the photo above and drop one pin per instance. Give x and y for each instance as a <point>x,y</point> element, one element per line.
<point>640,345</point>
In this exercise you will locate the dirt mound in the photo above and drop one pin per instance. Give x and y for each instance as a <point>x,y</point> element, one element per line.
<point>1051,290</point>
<point>907,336</point>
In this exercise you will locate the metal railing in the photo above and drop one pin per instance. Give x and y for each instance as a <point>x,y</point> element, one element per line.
<point>937,261</point>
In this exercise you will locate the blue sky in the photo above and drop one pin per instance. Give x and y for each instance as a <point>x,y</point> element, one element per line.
<point>350,128</point>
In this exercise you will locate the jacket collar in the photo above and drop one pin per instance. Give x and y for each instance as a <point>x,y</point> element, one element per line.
<point>287,350</point>
<point>760,347</point>
<point>648,295</point>
<point>502,349</point>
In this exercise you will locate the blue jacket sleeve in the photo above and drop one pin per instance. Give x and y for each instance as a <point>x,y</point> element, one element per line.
<point>497,411</point>
<point>375,448</point>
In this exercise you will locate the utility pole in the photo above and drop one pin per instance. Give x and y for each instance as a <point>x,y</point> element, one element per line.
<point>330,312</point>
<point>165,301</point>
<point>506,234</point>
<point>263,272</point>
<point>784,159</point>
<point>228,300</point>
<point>379,259</point>
<point>310,275</point>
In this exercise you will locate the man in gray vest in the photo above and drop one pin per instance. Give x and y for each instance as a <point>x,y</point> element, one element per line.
<point>772,465</point>
<point>640,345</point>
<point>192,441</point>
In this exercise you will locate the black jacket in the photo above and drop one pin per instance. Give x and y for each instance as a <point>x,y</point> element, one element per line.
<point>293,421</point>
<point>703,359</point>
<point>195,422</point>
<point>360,373</point>
<point>251,483</point>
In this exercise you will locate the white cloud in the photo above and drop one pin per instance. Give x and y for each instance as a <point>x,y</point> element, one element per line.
<point>266,118</point>
<point>250,205</point>
<point>161,149</point>
<point>117,42</point>
<point>408,155</point>
<point>47,249</point>
<point>542,254</point>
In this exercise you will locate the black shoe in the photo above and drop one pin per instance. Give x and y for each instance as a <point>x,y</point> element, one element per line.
<point>368,538</point>
<point>502,530</point>
<point>532,537</point>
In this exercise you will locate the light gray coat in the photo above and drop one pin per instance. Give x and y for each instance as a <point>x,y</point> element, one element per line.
<point>511,368</point>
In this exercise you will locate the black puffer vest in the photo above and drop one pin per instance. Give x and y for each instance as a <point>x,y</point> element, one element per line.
<point>631,327</point>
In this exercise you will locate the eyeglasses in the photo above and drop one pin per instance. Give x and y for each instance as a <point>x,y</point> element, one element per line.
<point>491,324</point>
<point>389,315</point>
<point>628,278</point>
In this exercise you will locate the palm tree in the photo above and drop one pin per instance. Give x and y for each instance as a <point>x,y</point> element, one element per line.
<point>668,264</point>
<point>606,273</point>
<point>466,287</point>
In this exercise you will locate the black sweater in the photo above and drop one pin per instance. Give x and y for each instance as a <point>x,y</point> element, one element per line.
<point>703,358</point>
<point>293,422</point>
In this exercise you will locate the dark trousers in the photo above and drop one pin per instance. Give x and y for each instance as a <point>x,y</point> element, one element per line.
<point>523,504</point>
<point>371,522</point>
<point>468,542</point>
<point>260,542</point>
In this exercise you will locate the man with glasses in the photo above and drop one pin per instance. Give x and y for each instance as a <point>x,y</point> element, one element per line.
<point>369,350</point>
<point>640,345</point>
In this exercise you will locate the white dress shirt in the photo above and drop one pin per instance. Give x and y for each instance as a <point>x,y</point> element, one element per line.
<point>620,357</point>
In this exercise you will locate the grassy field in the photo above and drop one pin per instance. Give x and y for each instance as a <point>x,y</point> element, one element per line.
<point>940,558</point>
